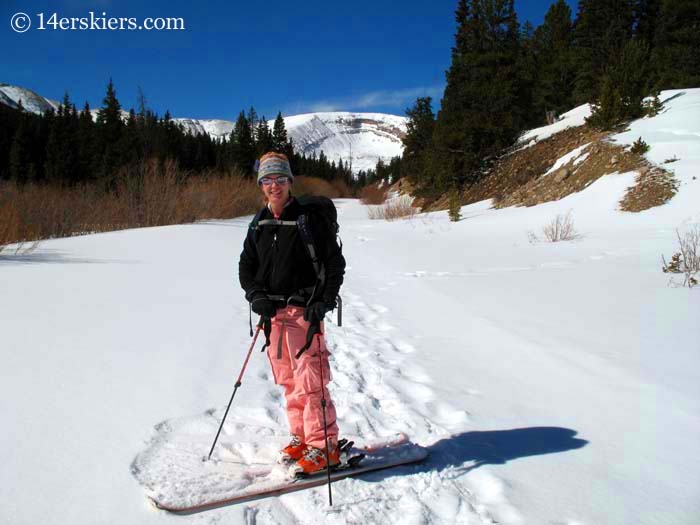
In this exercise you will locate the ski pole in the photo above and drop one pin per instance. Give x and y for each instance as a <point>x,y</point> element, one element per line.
<point>325,428</point>
<point>238,383</point>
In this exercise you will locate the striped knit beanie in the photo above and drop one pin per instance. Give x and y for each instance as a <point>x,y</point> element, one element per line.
<point>274,164</point>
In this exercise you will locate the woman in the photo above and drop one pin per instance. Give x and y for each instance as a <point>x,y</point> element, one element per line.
<point>281,283</point>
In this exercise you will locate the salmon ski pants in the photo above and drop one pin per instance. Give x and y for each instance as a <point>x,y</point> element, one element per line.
<point>301,378</point>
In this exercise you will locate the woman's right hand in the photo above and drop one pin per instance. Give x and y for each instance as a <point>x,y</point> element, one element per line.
<point>263,306</point>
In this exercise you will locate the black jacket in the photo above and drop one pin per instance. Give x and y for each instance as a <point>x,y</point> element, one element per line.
<point>275,261</point>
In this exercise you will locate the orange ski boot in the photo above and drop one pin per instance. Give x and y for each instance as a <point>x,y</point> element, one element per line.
<point>292,452</point>
<point>314,460</point>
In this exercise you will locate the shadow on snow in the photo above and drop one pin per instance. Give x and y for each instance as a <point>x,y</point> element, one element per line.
<point>471,450</point>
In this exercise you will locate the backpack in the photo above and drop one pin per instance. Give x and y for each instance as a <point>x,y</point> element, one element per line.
<point>321,209</point>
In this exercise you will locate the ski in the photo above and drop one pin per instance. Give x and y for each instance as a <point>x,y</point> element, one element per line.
<point>371,458</point>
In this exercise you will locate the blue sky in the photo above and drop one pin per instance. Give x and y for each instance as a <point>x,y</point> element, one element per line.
<point>294,57</point>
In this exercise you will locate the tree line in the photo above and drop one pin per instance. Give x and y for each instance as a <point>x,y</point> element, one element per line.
<point>505,78</point>
<point>67,147</point>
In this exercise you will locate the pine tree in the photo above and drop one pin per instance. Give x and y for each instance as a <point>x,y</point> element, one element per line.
<point>646,15</point>
<point>10,118</point>
<point>60,165</point>
<point>418,139</point>
<point>253,121</point>
<point>280,141</point>
<point>131,139</point>
<point>21,169</point>
<point>601,29</point>
<point>555,73</point>
<point>527,75</point>
<point>624,86</point>
<point>480,113</point>
<point>109,117</point>
<point>263,137</point>
<point>86,143</point>
<point>109,135</point>
<point>677,40</point>
<point>454,211</point>
<point>242,146</point>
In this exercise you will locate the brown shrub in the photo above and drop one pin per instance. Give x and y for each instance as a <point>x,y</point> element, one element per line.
<point>150,194</point>
<point>344,191</point>
<point>10,221</point>
<point>373,194</point>
<point>561,228</point>
<point>304,185</point>
<point>393,209</point>
<point>147,194</point>
<point>217,197</point>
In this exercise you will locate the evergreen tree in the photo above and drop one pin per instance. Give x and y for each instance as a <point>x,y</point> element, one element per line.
<point>242,145</point>
<point>418,139</point>
<point>109,137</point>
<point>263,137</point>
<point>454,203</point>
<point>131,139</point>
<point>62,147</point>
<point>601,29</point>
<point>480,112</point>
<point>646,15</point>
<point>677,40</point>
<point>86,143</point>
<point>527,74</point>
<point>10,118</point>
<point>253,121</point>
<point>21,167</point>
<point>280,141</point>
<point>555,73</point>
<point>624,86</point>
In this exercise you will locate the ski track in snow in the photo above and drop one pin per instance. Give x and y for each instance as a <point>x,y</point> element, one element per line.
<point>376,393</point>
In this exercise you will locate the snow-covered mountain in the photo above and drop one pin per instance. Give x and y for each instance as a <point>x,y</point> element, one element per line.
<point>362,138</point>
<point>32,102</point>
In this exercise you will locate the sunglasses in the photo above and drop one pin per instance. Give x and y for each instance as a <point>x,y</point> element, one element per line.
<point>280,181</point>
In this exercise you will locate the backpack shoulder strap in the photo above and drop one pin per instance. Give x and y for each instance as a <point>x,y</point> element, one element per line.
<point>258,222</point>
<point>302,223</point>
<point>276,222</point>
<point>256,219</point>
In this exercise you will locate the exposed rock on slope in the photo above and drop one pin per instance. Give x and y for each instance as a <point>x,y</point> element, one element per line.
<point>566,163</point>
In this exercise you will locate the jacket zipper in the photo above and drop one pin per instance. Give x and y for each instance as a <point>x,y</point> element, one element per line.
<point>274,256</point>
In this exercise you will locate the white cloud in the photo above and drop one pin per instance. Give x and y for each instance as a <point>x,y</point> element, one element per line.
<point>400,99</point>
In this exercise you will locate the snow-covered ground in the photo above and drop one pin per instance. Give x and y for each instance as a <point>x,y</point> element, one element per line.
<point>570,119</point>
<point>552,383</point>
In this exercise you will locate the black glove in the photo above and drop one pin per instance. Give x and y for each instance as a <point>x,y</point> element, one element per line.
<point>315,312</point>
<point>263,306</point>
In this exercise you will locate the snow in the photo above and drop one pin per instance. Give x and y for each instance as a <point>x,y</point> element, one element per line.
<point>31,101</point>
<point>570,119</point>
<point>217,129</point>
<point>364,137</point>
<point>574,155</point>
<point>551,383</point>
<point>673,134</point>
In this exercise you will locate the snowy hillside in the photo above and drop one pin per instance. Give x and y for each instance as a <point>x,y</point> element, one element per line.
<point>363,138</point>
<point>217,129</point>
<point>32,102</point>
<point>552,383</point>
